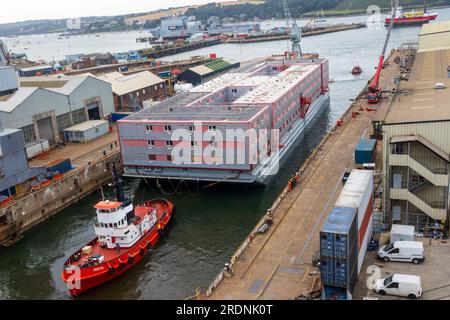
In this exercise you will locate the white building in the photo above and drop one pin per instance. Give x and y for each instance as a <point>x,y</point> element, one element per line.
<point>44,106</point>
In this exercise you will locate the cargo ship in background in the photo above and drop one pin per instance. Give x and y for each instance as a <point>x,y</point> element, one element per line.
<point>124,235</point>
<point>277,94</point>
<point>413,18</point>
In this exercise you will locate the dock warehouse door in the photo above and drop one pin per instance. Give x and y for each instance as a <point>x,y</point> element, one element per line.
<point>46,130</point>
<point>93,111</point>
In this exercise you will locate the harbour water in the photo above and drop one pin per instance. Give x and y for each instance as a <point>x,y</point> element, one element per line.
<point>210,222</point>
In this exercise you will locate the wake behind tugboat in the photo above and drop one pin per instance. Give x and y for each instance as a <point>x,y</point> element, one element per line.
<point>125,234</point>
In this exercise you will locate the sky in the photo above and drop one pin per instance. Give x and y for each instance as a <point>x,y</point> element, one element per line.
<point>20,10</point>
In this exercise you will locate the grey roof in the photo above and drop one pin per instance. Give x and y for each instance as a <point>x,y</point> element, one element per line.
<point>175,109</point>
<point>16,98</point>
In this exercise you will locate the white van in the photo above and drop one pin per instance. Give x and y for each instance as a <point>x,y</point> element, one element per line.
<point>400,285</point>
<point>440,85</point>
<point>403,251</point>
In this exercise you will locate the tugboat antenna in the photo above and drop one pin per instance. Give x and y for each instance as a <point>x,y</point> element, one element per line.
<point>118,182</point>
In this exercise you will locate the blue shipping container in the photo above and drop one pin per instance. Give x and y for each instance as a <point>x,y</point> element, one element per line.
<point>61,167</point>
<point>338,273</point>
<point>335,293</point>
<point>165,74</point>
<point>339,234</point>
<point>365,151</point>
<point>116,116</point>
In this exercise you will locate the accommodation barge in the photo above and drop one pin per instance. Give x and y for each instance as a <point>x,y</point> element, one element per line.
<point>235,128</point>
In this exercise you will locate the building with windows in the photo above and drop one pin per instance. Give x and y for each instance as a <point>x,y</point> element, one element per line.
<point>44,106</point>
<point>130,91</point>
<point>416,134</point>
<point>270,97</point>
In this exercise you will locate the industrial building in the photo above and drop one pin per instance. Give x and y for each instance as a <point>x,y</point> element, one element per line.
<point>44,106</point>
<point>416,137</point>
<point>35,71</point>
<point>83,61</point>
<point>130,91</point>
<point>14,170</point>
<point>199,74</point>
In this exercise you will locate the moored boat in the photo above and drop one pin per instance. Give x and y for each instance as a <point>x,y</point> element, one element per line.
<point>411,18</point>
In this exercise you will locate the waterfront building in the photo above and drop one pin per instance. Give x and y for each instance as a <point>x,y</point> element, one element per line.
<point>199,74</point>
<point>44,106</point>
<point>35,70</point>
<point>130,91</point>
<point>416,137</point>
<point>14,170</point>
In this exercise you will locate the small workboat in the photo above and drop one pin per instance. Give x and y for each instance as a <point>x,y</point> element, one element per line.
<point>356,70</point>
<point>124,235</point>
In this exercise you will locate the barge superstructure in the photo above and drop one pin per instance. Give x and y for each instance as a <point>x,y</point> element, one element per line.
<point>270,102</point>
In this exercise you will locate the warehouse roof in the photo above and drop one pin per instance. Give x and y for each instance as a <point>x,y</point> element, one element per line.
<point>217,64</point>
<point>86,125</point>
<point>122,85</point>
<point>418,100</point>
<point>58,84</point>
<point>435,36</point>
<point>201,70</point>
<point>10,102</point>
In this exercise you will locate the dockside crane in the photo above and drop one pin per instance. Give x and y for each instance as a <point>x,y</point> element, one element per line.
<point>374,92</point>
<point>296,32</point>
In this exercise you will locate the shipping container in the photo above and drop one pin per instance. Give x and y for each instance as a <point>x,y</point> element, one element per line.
<point>339,233</point>
<point>116,116</point>
<point>86,131</point>
<point>165,74</point>
<point>59,166</point>
<point>8,80</point>
<point>339,248</point>
<point>365,151</point>
<point>37,147</point>
<point>401,232</point>
<point>358,193</point>
<point>335,293</point>
<point>338,273</point>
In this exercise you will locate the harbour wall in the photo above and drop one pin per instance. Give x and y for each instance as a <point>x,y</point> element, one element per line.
<point>40,205</point>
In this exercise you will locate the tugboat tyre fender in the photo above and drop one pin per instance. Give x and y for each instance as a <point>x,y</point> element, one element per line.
<point>149,245</point>
<point>142,252</point>
<point>130,260</point>
<point>111,270</point>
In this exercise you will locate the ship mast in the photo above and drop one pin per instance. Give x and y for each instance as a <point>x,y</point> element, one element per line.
<point>118,184</point>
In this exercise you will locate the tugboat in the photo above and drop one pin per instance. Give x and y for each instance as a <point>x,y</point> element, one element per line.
<point>356,70</point>
<point>124,235</point>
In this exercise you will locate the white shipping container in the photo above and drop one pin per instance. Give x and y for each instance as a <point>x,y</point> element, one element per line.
<point>401,232</point>
<point>8,79</point>
<point>358,193</point>
<point>35,148</point>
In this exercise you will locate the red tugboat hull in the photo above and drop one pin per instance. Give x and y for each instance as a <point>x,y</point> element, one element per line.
<point>117,261</point>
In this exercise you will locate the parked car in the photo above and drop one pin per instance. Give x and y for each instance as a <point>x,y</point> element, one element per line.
<point>440,85</point>
<point>403,251</point>
<point>402,285</point>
